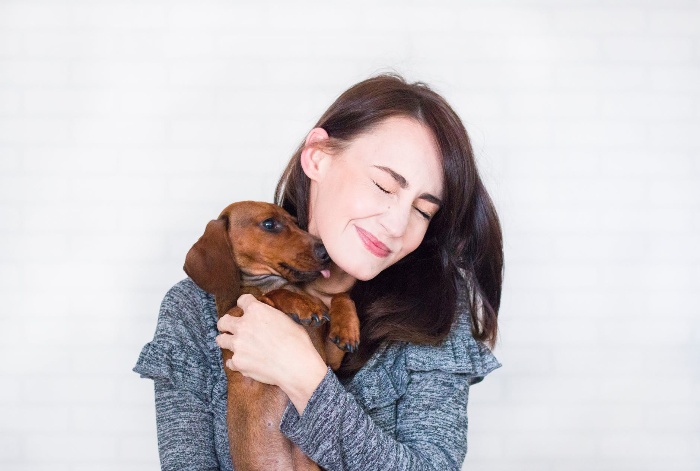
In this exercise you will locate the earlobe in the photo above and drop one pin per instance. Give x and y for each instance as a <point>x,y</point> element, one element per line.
<point>312,155</point>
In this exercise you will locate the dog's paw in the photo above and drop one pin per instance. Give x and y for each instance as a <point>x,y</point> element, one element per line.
<point>303,308</point>
<point>309,311</point>
<point>346,338</point>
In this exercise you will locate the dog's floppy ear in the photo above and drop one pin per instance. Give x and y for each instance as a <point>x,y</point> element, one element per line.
<point>210,262</point>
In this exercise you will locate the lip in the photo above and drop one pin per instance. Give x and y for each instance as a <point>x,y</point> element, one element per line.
<point>374,245</point>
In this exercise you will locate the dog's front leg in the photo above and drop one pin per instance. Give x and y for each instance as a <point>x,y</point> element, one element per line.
<point>303,308</point>
<point>344,332</point>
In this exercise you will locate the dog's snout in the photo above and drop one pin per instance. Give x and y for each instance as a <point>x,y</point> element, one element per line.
<point>321,254</point>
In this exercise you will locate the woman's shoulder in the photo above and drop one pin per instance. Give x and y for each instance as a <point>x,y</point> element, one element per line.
<point>186,293</point>
<point>460,352</point>
<point>187,304</point>
<point>185,333</point>
<point>386,376</point>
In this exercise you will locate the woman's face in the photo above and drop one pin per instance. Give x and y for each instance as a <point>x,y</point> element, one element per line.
<point>371,203</point>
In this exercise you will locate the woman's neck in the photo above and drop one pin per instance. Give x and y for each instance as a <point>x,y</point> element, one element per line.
<point>325,288</point>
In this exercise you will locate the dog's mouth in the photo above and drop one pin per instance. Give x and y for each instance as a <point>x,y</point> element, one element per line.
<point>302,276</point>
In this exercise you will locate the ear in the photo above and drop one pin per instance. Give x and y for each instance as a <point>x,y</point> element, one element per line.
<point>312,157</point>
<point>210,262</point>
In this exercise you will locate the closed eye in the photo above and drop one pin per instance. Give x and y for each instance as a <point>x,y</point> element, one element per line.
<point>424,214</point>
<point>381,187</point>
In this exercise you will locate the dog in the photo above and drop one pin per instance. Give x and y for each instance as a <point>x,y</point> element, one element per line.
<point>257,248</point>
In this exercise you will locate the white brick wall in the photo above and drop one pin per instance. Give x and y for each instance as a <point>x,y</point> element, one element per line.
<point>125,126</point>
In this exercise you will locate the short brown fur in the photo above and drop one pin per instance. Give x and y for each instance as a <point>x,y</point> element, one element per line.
<point>237,255</point>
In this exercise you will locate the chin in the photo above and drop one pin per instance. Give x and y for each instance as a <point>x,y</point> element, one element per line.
<point>362,273</point>
<point>358,266</point>
<point>365,277</point>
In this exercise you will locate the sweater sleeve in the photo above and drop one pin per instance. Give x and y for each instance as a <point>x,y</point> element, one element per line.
<point>176,361</point>
<point>431,388</point>
<point>338,434</point>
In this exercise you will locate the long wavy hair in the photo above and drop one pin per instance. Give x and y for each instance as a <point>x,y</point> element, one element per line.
<point>416,299</point>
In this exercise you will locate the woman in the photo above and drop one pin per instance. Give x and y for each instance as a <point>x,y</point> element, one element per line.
<point>387,180</point>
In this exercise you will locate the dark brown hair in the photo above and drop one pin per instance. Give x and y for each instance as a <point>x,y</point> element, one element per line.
<point>415,300</point>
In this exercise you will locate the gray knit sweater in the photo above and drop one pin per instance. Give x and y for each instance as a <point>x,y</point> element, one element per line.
<point>406,409</point>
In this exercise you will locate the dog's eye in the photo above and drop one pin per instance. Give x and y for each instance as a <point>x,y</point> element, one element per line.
<point>271,225</point>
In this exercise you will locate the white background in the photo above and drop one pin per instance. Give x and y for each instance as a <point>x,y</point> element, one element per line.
<point>126,125</point>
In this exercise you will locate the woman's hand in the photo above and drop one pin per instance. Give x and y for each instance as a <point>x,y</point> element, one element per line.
<point>271,348</point>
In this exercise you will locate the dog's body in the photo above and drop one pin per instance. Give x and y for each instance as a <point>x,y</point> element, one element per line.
<point>257,248</point>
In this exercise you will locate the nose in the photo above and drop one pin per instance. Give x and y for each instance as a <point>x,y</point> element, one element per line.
<point>395,220</point>
<point>321,254</point>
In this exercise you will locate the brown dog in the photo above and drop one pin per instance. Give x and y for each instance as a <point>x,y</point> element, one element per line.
<point>257,248</point>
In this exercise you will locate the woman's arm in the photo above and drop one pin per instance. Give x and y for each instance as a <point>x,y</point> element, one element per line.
<point>176,359</point>
<point>185,429</point>
<point>431,429</point>
<point>331,427</point>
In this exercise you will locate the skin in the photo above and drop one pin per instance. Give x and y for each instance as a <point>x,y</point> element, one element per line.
<point>371,205</point>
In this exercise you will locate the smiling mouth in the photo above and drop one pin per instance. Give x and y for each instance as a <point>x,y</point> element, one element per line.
<point>371,243</point>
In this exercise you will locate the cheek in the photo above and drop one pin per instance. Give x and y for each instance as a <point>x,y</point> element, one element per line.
<point>351,201</point>
<point>360,206</point>
<point>413,239</point>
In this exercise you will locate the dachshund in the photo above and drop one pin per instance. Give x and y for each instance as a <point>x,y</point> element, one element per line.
<point>257,248</point>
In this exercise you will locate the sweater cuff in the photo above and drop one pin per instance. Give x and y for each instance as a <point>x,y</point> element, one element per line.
<point>316,419</point>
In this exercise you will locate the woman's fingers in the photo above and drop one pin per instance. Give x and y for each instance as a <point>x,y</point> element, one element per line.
<point>227,323</point>
<point>245,300</point>
<point>225,341</point>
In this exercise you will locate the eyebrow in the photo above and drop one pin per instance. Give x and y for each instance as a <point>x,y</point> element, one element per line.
<point>404,184</point>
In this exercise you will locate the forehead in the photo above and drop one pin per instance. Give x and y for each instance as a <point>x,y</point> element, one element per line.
<point>404,145</point>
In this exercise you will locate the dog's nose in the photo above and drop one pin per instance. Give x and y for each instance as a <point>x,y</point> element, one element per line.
<point>321,254</point>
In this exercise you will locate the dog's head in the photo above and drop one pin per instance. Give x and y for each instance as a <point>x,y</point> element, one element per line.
<point>254,239</point>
